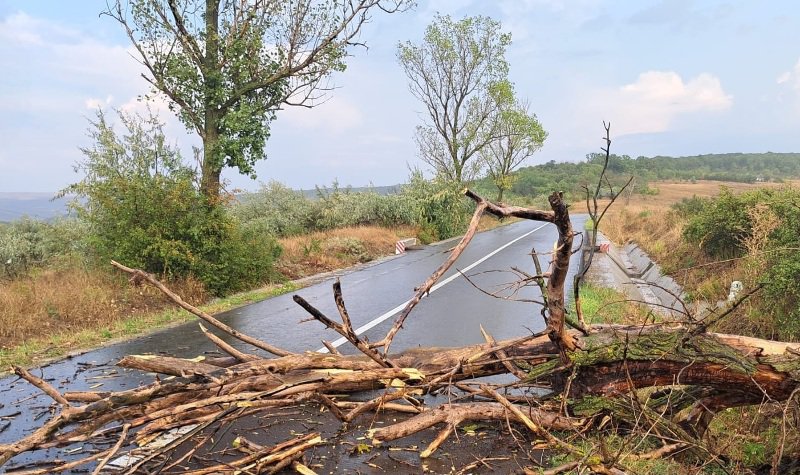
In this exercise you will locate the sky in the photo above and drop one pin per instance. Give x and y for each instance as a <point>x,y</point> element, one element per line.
<point>674,77</point>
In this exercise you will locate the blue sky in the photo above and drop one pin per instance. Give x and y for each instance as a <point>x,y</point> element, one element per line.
<point>677,77</point>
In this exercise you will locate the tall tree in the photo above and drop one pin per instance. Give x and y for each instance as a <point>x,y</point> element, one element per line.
<point>226,66</point>
<point>519,135</point>
<point>457,72</point>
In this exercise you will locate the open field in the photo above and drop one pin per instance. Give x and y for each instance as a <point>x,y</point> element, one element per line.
<point>672,192</point>
<point>646,220</point>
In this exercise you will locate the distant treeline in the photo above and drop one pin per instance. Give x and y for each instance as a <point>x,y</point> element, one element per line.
<point>538,180</point>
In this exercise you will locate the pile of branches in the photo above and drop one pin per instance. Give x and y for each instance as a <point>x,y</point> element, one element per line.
<point>588,377</point>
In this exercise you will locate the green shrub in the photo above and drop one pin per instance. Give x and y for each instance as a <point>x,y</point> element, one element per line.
<point>440,208</point>
<point>26,244</point>
<point>285,212</point>
<point>143,209</point>
<point>277,210</point>
<point>762,226</point>
<point>337,207</point>
<point>722,224</point>
<point>436,206</point>
<point>689,207</point>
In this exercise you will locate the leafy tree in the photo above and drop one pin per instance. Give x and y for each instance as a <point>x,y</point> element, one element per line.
<point>226,66</point>
<point>519,135</point>
<point>142,208</point>
<point>459,73</point>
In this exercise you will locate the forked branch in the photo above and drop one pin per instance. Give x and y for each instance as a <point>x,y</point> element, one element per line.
<point>346,327</point>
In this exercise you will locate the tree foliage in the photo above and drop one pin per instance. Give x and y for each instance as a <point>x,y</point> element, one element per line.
<point>26,244</point>
<point>142,207</point>
<point>519,135</point>
<point>459,73</point>
<point>226,66</point>
<point>534,181</point>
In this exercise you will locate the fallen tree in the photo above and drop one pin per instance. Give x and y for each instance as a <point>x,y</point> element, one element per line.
<point>588,377</point>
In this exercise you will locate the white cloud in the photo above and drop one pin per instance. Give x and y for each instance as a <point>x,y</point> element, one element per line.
<point>20,28</point>
<point>791,78</point>
<point>657,98</point>
<point>338,114</point>
<point>93,103</point>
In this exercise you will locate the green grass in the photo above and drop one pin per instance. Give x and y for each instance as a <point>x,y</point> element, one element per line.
<point>604,305</point>
<point>55,346</point>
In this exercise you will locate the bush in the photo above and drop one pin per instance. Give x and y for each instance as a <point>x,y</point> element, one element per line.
<point>337,207</point>
<point>763,227</point>
<point>27,244</point>
<point>689,207</point>
<point>436,206</point>
<point>143,209</point>
<point>439,206</point>
<point>285,212</point>
<point>275,209</point>
<point>722,224</point>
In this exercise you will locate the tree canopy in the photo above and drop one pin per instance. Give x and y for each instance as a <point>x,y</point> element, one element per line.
<point>519,135</point>
<point>227,66</point>
<point>459,73</point>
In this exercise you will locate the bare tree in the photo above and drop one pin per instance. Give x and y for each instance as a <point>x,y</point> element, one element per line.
<point>458,71</point>
<point>226,66</point>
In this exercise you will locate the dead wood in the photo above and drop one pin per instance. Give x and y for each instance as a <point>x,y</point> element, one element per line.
<point>41,384</point>
<point>224,346</point>
<point>345,328</point>
<point>139,275</point>
<point>437,274</point>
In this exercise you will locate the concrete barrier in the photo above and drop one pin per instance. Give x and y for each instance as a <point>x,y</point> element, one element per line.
<point>630,270</point>
<point>405,244</point>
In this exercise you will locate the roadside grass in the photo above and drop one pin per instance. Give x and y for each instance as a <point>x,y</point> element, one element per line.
<point>67,299</point>
<point>39,348</point>
<point>324,251</point>
<point>55,311</point>
<point>604,305</point>
<point>745,438</point>
<point>650,222</point>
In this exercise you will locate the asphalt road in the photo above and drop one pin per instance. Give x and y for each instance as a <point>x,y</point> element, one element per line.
<point>449,316</point>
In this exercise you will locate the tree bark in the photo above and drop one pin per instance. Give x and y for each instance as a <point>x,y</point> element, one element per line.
<point>211,169</point>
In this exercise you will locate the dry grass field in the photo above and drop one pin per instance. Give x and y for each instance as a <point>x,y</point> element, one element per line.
<point>672,192</point>
<point>646,218</point>
<point>56,310</point>
<point>649,222</point>
<point>324,251</point>
<point>63,302</point>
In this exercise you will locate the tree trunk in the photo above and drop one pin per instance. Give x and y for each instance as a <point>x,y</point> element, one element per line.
<point>562,252</point>
<point>211,168</point>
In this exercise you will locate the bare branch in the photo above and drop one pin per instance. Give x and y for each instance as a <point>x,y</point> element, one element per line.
<point>140,275</point>
<point>346,329</point>
<point>437,274</point>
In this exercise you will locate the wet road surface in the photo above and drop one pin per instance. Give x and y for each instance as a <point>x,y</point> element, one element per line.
<point>449,316</point>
